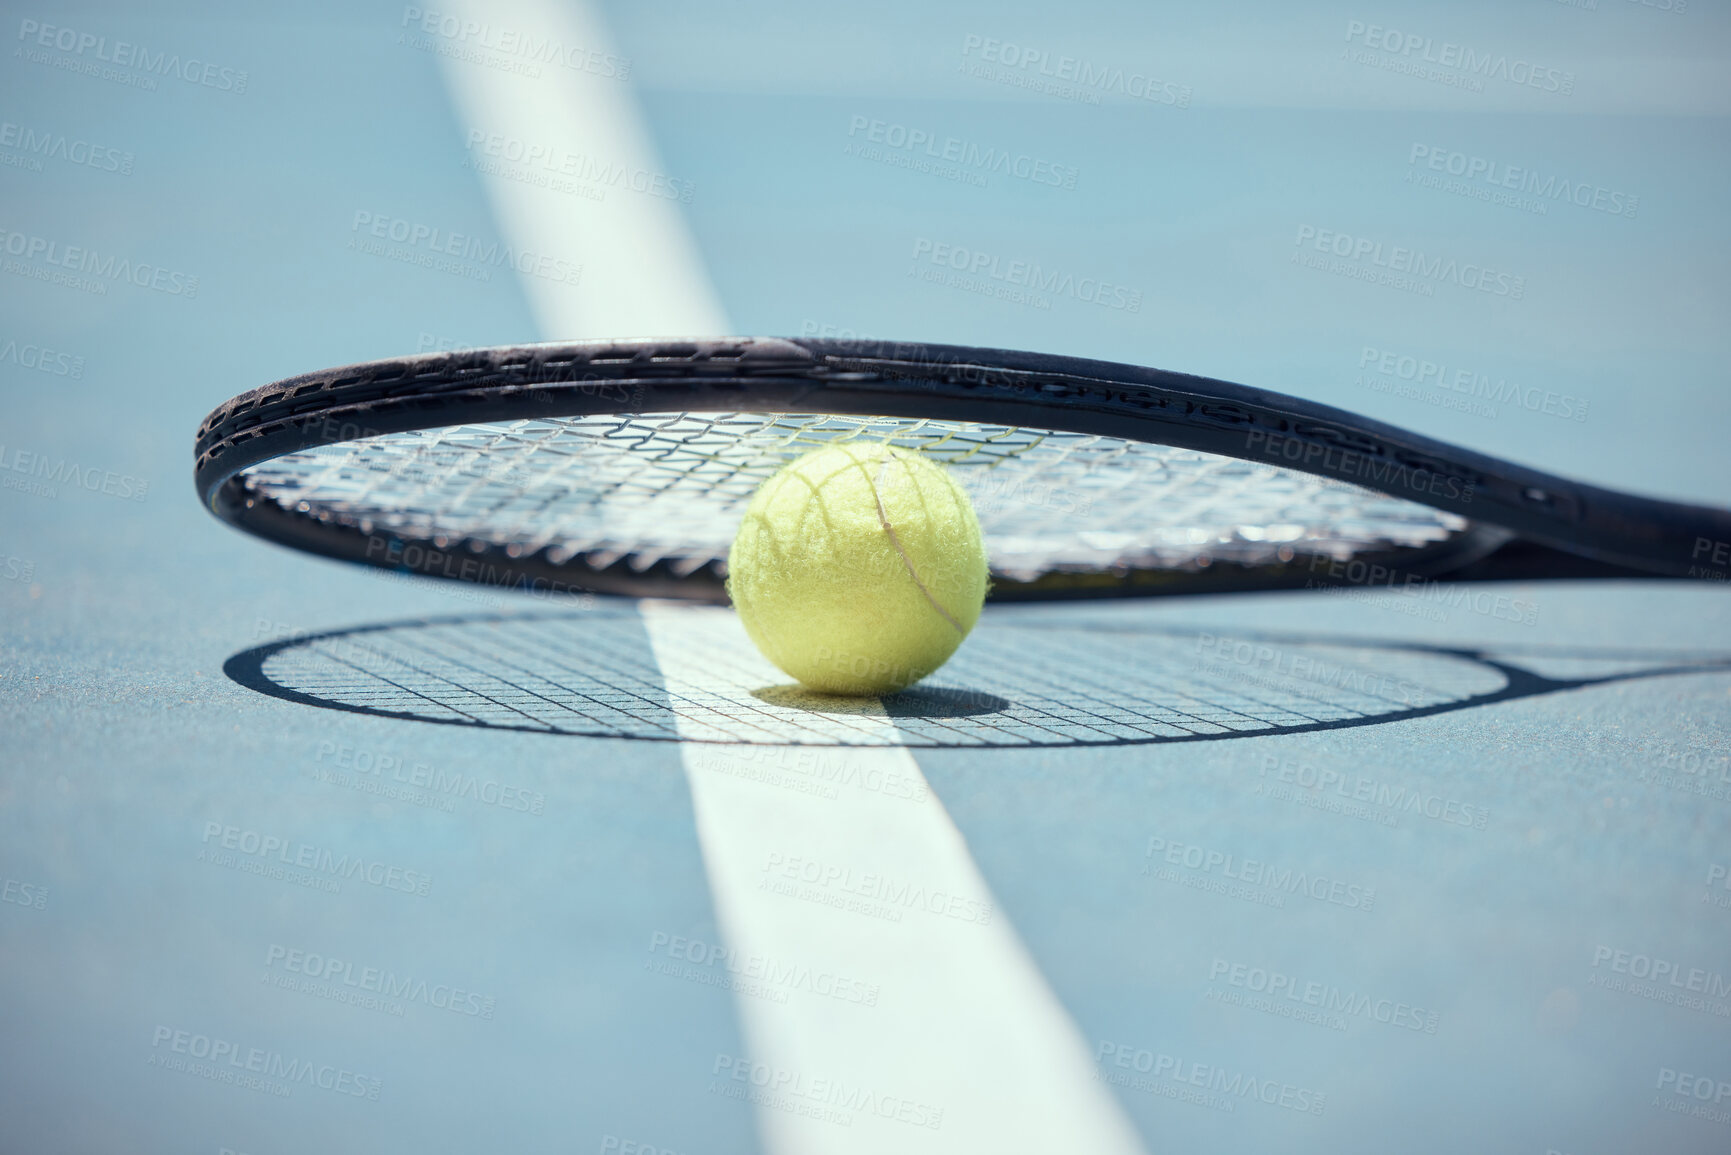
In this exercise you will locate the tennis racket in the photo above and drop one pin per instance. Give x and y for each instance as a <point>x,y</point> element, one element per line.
<point>624,467</point>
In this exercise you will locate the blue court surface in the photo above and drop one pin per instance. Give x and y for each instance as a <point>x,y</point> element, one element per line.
<point>254,904</point>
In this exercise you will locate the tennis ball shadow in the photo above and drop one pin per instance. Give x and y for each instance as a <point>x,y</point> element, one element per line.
<point>913,702</point>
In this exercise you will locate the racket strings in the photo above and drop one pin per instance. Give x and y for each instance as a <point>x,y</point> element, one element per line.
<point>672,487</point>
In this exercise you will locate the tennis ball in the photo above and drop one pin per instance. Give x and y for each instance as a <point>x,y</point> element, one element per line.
<point>858,569</point>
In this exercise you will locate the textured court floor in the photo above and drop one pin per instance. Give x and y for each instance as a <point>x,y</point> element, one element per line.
<point>303,858</point>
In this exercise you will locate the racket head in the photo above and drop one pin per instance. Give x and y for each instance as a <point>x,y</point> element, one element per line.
<point>623,467</point>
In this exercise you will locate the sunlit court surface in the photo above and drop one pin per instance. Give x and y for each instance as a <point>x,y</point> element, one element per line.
<point>309,851</point>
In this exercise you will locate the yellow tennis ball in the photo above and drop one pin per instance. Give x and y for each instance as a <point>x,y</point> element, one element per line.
<point>858,569</point>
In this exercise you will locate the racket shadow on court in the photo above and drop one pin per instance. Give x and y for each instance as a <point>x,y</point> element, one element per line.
<point>1015,683</point>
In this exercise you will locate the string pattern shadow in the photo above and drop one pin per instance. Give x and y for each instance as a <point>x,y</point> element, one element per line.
<point>1014,684</point>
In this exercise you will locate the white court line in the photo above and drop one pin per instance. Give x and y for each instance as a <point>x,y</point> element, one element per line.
<point>964,1033</point>
<point>642,274</point>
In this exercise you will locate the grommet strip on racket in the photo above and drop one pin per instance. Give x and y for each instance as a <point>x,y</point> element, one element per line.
<point>624,466</point>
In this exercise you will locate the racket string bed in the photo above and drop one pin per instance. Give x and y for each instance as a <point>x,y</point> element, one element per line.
<point>672,487</point>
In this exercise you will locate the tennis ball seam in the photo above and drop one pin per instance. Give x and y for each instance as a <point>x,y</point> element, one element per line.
<point>907,562</point>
